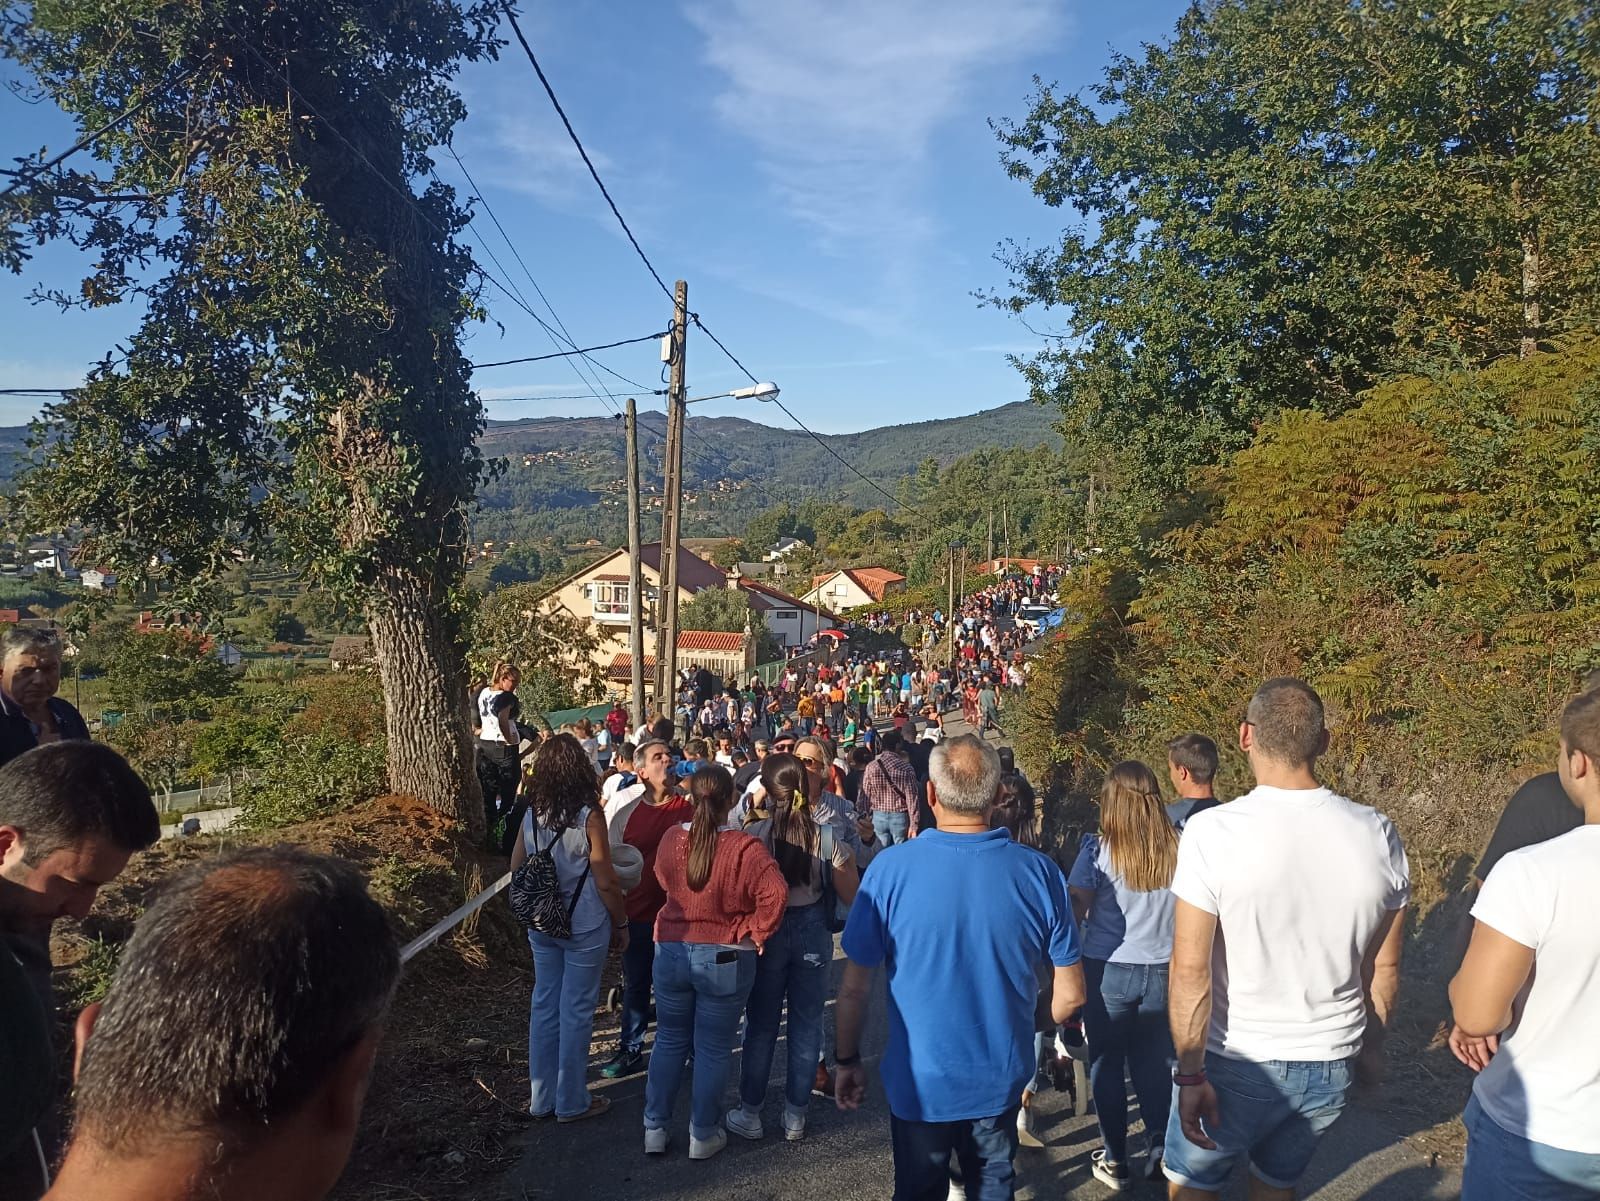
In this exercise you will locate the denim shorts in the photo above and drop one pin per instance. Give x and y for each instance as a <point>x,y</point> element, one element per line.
<point>1502,1166</point>
<point>1273,1113</point>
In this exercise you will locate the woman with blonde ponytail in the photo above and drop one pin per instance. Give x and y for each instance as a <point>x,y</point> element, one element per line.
<point>724,899</point>
<point>795,966</point>
<point>1120,887</point>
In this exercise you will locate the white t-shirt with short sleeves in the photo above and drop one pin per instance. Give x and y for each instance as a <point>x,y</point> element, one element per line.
<point>1544,1084</point>
<point>1300,880</point>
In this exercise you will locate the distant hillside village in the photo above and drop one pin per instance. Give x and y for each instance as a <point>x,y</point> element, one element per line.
<point>600,597</point>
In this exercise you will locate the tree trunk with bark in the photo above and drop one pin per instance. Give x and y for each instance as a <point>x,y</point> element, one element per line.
<point>423,675</point>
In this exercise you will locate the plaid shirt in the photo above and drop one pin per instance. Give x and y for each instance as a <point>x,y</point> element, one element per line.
<point>889,785</point>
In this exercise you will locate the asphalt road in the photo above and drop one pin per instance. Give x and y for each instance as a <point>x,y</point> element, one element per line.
<point>846,1156</point>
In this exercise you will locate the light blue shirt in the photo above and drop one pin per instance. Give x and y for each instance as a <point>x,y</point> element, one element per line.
<point>1124,926</point>
<point>571,855</point>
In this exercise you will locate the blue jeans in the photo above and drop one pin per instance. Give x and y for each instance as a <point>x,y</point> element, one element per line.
<point>984,1146</point>
<point>1502,1166</point>
<point>1125,1022</point>
<point>890,827</point>
<point>701,990</point>
<point>638,964</point>
<point>794,964</point>
<point>1274,1113</point>
<point>566,983</point>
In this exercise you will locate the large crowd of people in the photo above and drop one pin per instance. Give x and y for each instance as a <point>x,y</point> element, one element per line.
<point>1237,963</point>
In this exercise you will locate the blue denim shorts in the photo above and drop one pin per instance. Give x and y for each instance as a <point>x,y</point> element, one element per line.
<point>1273,1113</point>
<point>1504,1167</point>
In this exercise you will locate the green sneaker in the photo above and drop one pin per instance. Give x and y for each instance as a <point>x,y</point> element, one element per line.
<point>627,1063</point>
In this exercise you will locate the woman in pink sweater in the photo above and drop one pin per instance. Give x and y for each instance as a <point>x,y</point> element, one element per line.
<point>725,898</point>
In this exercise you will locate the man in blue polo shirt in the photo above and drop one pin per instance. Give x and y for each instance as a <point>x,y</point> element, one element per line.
<point>963,917</point>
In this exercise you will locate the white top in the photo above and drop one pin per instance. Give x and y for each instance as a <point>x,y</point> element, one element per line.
<point>1544,1084</point>
<point>488,717</point>
<point>1300,880</point>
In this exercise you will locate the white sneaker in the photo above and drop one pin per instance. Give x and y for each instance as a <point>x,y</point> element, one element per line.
<point>705,1148</point>
<point>655,1141</point>
<point>1025,1135</point>
<point>794,1125</point>
<point>745,1123</point>
<point>1113,1175</point>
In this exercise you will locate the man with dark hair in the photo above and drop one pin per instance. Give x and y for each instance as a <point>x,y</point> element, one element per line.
<point>1285,958</point>
<point>230,1057</point>
<point>890,792</point>
<point>1192,765</point>
<point>71,815</point>
<point>31,714</point>
<point>1527,999</point>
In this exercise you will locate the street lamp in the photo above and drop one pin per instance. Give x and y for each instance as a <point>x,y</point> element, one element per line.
<point>766,390</point>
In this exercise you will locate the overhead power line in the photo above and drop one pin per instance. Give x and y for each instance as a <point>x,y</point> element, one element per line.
<point>584,154</point>
<point>566,334</point>
<point>586,350</point>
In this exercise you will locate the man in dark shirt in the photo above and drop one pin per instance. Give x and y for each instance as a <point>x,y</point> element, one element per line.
<point>1192,766</point>
<point>1537,812</point>
<point>71,815</point>
<point>30,711</point>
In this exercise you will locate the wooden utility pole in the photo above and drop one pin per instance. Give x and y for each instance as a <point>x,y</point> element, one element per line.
<point>635,571</point>
<point>672,504</point>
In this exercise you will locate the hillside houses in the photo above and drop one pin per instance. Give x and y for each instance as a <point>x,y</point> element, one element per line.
<point>600,595</point>
<point>850,587</point>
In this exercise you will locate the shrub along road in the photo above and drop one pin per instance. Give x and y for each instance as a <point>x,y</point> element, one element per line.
<point>846,1156</point>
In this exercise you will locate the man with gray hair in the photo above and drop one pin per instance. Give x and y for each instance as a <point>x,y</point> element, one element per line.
<point>230,1057</point>
<point>1285,958</point>
<point>31,713</point>
<point>962,917</point>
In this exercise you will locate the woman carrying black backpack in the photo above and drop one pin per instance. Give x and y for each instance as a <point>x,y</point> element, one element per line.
<point>565,889</point>
<point>819,869</point>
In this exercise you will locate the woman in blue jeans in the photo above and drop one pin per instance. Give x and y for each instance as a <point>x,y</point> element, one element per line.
<point>796,963</point>
<point>564,818</point>
<point>724,899</point>
<point>1119,886</point>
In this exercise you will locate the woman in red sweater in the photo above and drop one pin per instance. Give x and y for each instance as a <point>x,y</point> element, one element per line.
<point>725,898</point>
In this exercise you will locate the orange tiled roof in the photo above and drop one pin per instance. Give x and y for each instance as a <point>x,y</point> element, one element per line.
<point>710,640</point>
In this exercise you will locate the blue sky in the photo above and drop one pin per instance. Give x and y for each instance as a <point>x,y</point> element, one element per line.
<point>820,172</point>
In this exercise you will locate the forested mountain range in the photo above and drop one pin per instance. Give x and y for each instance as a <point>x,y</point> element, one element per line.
<point>563,476</point>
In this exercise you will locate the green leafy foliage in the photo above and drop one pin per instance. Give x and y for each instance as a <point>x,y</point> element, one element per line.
<point>1282,203</point>
<point>1429,561</point>
<point>296,386</point>
<point>169,671</point>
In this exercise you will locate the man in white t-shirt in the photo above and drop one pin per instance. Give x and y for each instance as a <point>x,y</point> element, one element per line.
<point>1285,959</point>
<point>1532,1131</point>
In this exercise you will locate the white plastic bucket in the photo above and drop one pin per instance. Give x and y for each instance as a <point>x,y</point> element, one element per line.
<point>629,864</point>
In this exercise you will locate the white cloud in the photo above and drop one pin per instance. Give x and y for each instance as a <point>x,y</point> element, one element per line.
<point>844,102</point>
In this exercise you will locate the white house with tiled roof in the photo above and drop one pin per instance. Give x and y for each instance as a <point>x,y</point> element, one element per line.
<point>601,595</point>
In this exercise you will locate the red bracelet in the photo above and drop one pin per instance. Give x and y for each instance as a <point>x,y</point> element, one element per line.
<point>1183,1081</point>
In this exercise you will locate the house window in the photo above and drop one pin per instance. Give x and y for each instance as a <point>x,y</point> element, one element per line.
<point>783,615</point>
<point>839,588</point>
<point>611,598</point>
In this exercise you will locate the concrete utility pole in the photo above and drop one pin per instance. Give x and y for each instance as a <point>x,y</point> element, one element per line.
<point>672,504</point>
<point>950,611</point>
<point>635,572</point>
<point>1005,515</point>
<point>990,555</point>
